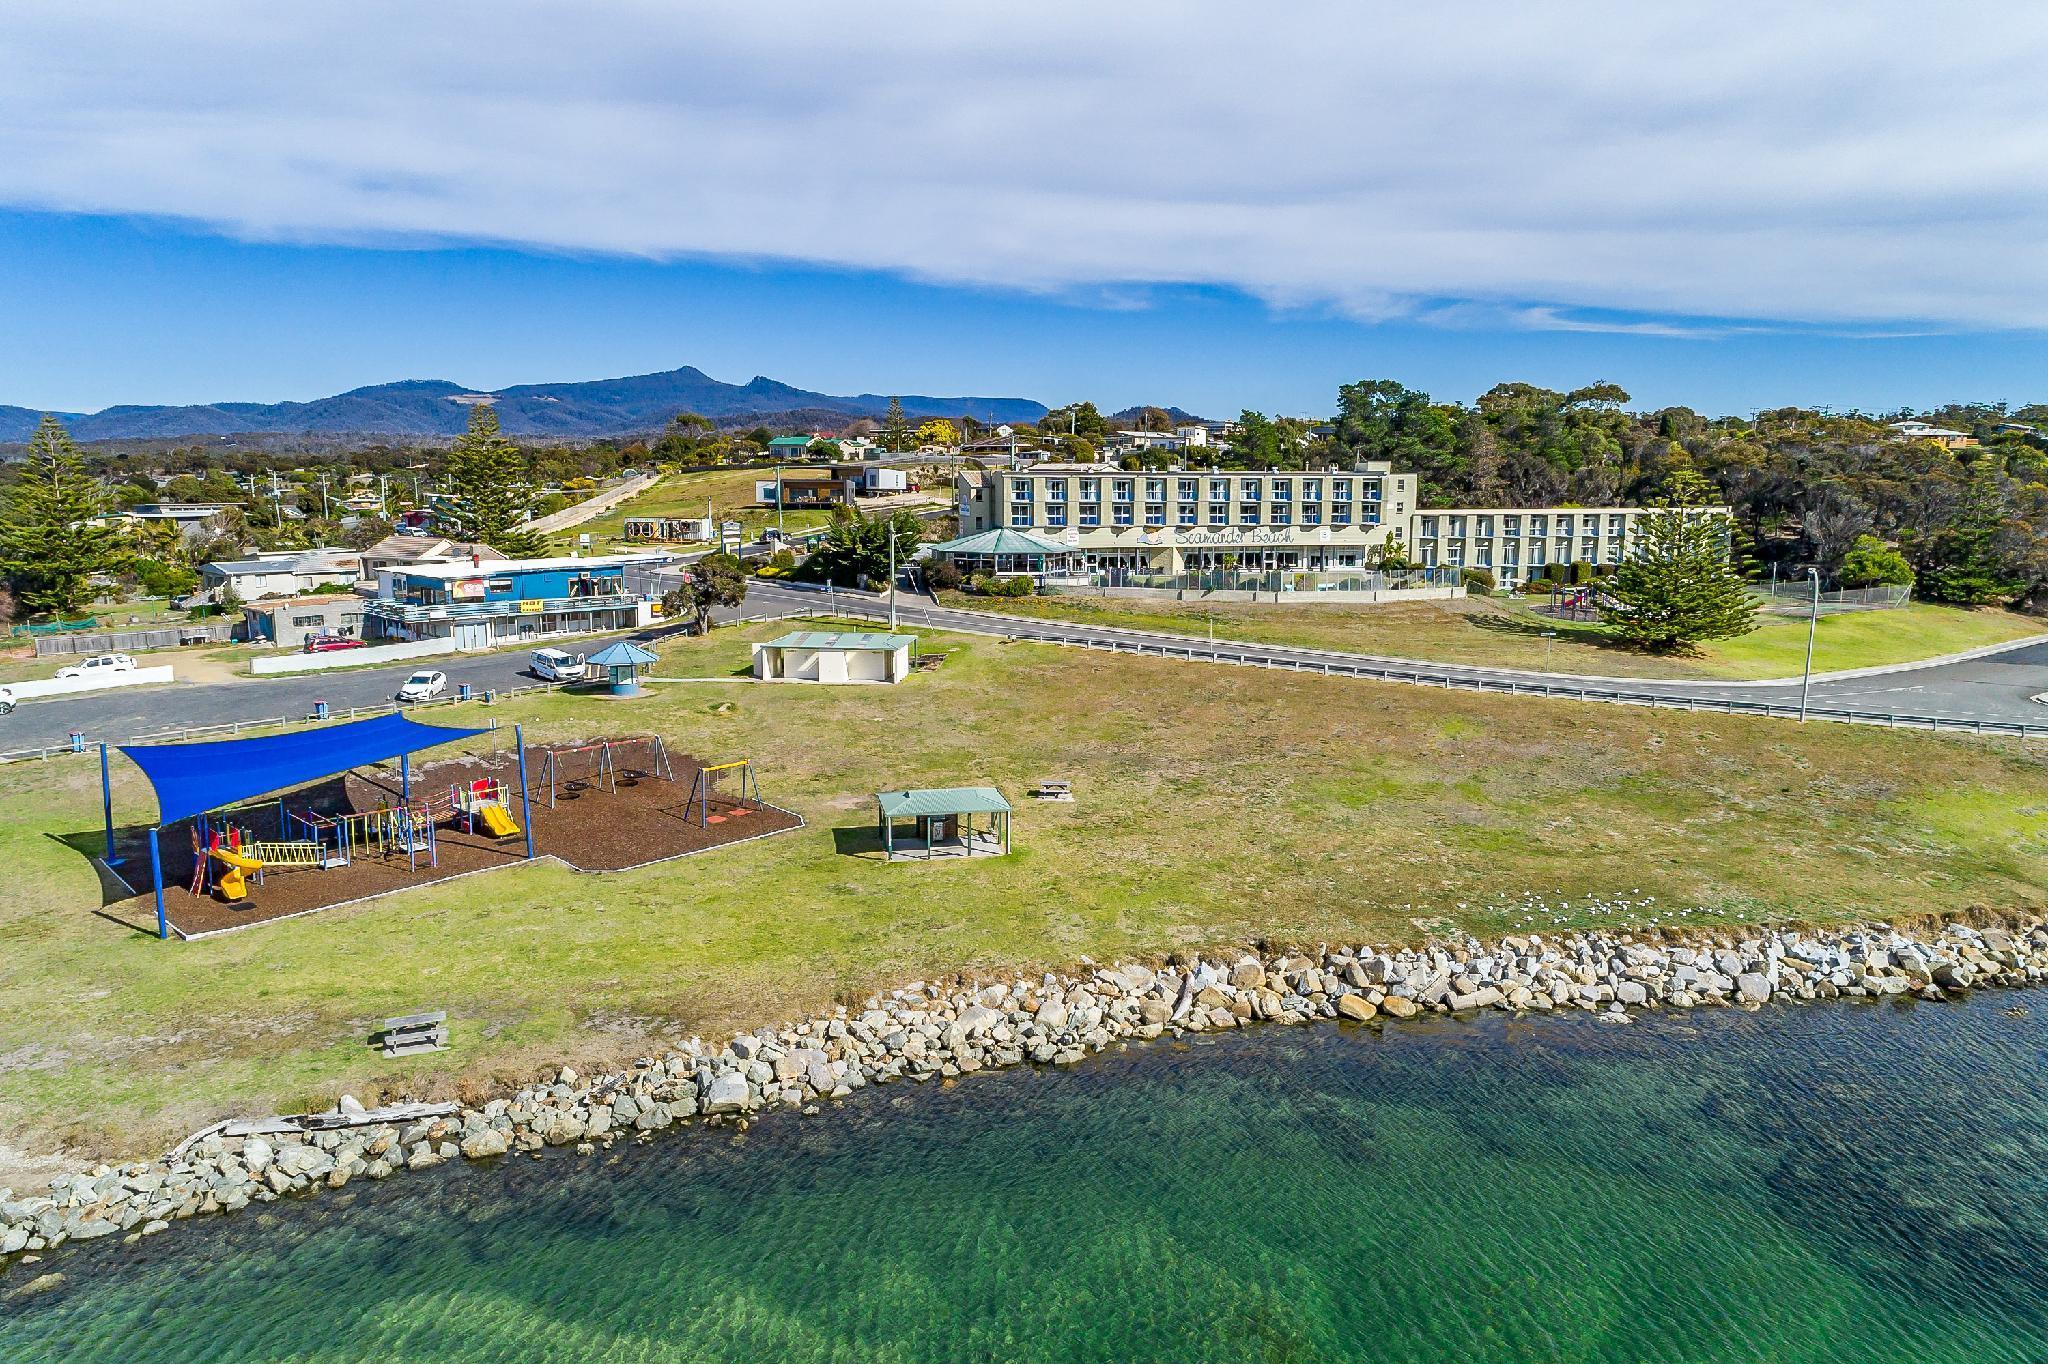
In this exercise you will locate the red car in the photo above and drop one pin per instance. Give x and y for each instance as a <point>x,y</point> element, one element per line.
<point>327,644</point>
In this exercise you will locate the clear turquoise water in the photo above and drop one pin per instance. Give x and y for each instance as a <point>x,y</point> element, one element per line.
<point>1822,1183</point>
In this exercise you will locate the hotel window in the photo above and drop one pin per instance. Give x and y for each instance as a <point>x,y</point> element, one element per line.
<point>1429,528</point>
<point>1311,513</point>
<point>1311,490</point>
<point>1615,525</point>
<point>1340,490</point>
<point>1020,514</point>
<point>1219,513</point>
<point>1056,491</point>
<point>1219,490</point>
<point>1120,513</point>
<point>1484,526</point>
<point>1564,526</point>
<point>1282,490</point>
<point>1283,514</point>
<point>1589,551</point>
<point>1248,514</point>
<point>1455,525</point>
<point>1187,489</point>
<point>1120,489</point>
<point>1340,514</point>
<point>1539,525</point>
<point>1372,516</point>
<point>1188,511</point>
<point>1248,490</point>
<point>1511,526</point>
<point>1456,556</point>
<point>1155,513</point>
<point>1056,515</point>
<point>1091,513</point>
<point>1370,490</point>
<point>1020,490</point>
<point>1155,490</point>
<point>1536,555</point>
<point>1510,555</point>
<point>1484,555</point>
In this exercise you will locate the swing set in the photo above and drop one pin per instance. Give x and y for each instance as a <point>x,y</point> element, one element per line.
<point>738,775</point>
<point>598,766</point>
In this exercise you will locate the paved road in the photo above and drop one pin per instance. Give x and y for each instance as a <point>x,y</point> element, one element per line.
<point>1994,689</point>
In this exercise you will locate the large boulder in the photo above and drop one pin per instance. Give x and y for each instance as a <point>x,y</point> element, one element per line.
<point>1357,1008</point>
<point>728,1094</point>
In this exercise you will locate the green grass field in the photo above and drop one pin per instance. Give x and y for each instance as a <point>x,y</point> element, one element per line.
<point>1215,805</point>
<point>1508,633</point>
<point>729,492</point>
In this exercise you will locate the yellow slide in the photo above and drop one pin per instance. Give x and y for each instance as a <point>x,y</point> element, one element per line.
<point>498,820</point>
<point>233,883</point>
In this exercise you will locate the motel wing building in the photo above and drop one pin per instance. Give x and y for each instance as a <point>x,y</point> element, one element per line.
<point>1195,520</point>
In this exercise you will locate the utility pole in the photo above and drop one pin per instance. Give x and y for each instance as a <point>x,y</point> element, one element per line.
<point>1812,624</point>
<point>778,499</point>
<point>891,523</point>
<point>324,513</point>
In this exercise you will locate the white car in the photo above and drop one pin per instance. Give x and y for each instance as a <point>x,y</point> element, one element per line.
<point>423,686</point>
<point>99,665</point>
<point>553,665</point>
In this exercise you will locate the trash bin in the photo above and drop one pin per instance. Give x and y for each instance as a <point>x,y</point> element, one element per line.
<point>462,691</point>
<point>78,741</point>
<point>319,710</point>
<point>491,696</point>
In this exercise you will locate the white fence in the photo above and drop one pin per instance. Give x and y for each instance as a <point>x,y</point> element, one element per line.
<point>348,658</point>
<point>99,679</point>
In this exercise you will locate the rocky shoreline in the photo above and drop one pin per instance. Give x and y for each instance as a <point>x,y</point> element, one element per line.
<point>926,1031</point>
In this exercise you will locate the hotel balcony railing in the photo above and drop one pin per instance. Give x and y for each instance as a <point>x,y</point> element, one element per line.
<point>386,609</point>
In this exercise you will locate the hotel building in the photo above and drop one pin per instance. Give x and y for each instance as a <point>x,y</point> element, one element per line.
<point>1194,520</point>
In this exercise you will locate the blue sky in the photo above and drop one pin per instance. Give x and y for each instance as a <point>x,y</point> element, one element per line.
<point>1725,204</point>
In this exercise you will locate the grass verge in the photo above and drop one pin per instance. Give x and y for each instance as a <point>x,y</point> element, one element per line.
<point>1507,633</point>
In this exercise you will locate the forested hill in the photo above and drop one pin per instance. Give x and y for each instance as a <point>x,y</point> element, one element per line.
<point>1804,484</point>
<point>434,407</point>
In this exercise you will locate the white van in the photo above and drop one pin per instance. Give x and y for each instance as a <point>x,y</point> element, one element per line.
<point>552,665</point>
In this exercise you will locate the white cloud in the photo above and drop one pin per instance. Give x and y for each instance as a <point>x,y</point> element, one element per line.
<point>1884,163</point>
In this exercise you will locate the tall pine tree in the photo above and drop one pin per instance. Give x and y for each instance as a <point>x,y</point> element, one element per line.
<point>491,493</point>
<point>1964,562</point>
<point>896,434</point>
<point>1678,585</point>
<point>50,545</point>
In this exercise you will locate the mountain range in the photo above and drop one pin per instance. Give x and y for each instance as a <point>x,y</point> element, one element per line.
<point>418,408</point>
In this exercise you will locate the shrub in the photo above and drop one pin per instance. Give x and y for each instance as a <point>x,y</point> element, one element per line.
<point>1582,572</point>
<point>1013,587</point>
<point>942,575</point>
<point>1478,582</point>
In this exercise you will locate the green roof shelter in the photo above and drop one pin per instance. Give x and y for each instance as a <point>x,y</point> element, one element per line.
<point>943,821</point>
<point>835,657</point>
<point>623,661</point>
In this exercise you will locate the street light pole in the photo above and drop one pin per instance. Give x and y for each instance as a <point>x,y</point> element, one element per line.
<point>892,575</point>
<point>1812,624</point>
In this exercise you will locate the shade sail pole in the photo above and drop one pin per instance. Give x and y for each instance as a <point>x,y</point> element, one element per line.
<point>156,879</point>
<point>405,777</point>
<point>107,806</point>
<point>525,801</point>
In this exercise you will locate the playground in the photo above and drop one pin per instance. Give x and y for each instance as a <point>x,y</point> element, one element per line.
<point>601,805</point>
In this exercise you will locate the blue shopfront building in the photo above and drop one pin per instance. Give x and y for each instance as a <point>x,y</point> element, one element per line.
<point>491,604</point>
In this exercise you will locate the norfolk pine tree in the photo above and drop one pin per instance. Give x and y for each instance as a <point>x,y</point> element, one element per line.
<point>1678,586</point>
<point>896,436</point>
<point>491,493</point>
<point>50,547</point>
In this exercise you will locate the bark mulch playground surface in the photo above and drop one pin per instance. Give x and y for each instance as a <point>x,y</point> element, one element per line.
<point>592,827</point>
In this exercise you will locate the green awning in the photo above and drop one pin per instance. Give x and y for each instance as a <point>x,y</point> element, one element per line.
<point>945,800</point>
<point>1003,541</point>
